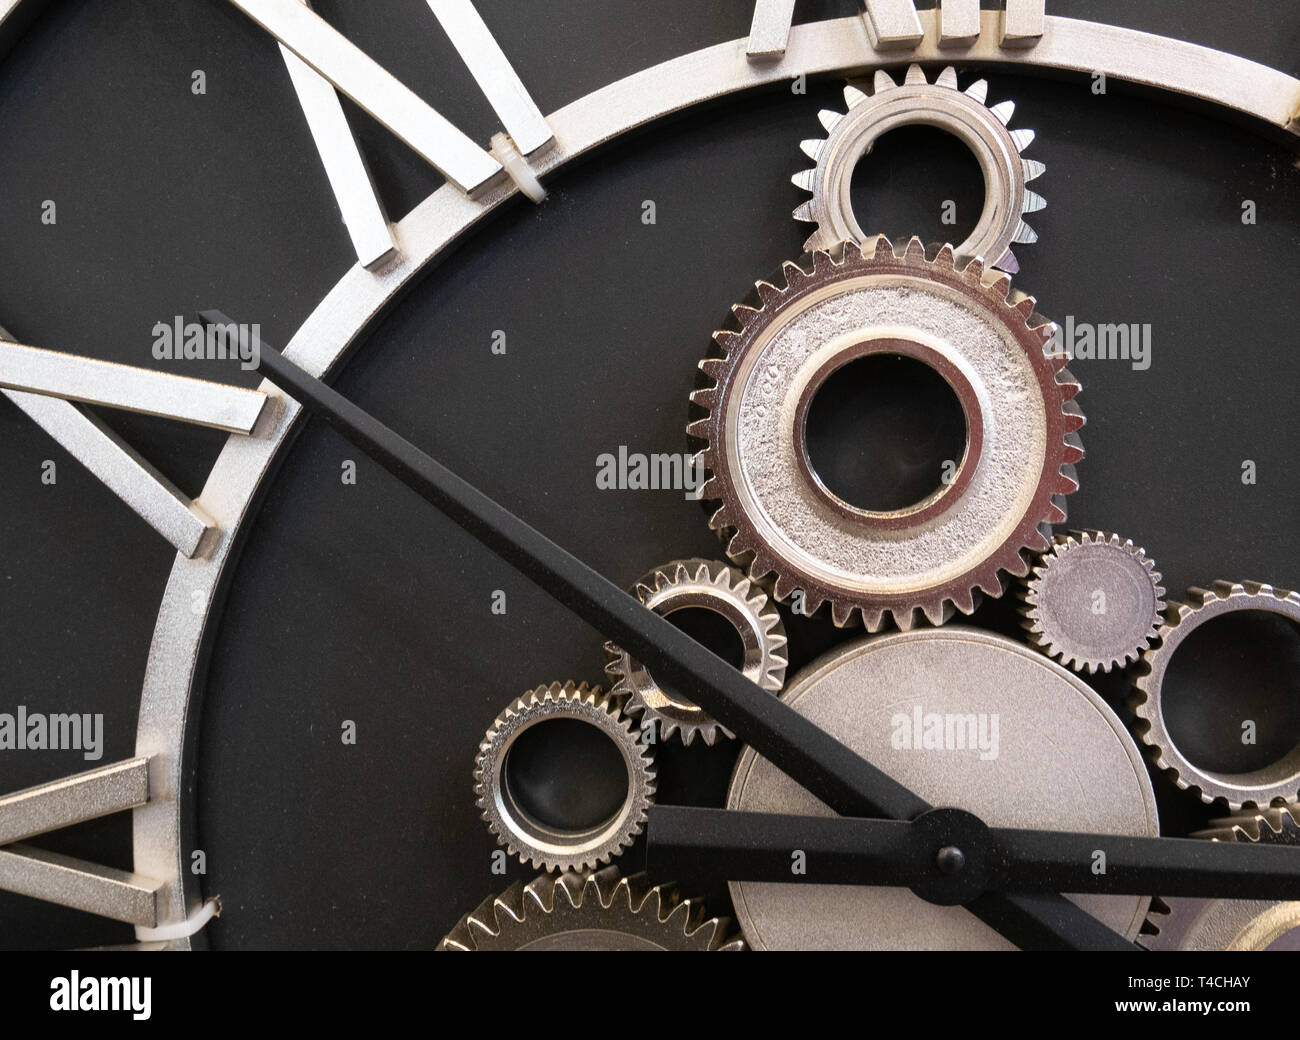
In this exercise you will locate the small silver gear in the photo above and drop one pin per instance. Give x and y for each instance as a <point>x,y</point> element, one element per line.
<point>1275,783</point>
<point>532,841</point>
<point>875,109</point>
<point>710,585</point>
<point>1279,825</point>
<point>1093,601</point>
<point>601,912</point>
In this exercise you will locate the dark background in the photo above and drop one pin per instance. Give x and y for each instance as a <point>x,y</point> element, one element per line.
<point>361,603</point>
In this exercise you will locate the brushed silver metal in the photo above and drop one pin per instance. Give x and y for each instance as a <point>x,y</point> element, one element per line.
<point>345,167</point>
<point>74,799</point>
<point>959,22</point>
<point>494,74</point>
<point>892,24</point>
<point>770,29</point>
<point>1022,22</point>
<point>466,165</point>
<point>54,878</point>
<point>1064,760</point>
<point>836,46</point>
<point>73,377</point>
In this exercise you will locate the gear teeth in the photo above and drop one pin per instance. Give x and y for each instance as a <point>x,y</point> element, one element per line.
<point>915,76</point>
<point>794,275</point>
<point>1009,263</point>
<point>979,91</point>
<point>915,250</point>
<point>744,313</point>
<point>1004,110</point>
<point>768,293</point>
<point>853,96</point>
<point>812,147</point>
<point>805,214</point>
<point>945,258</point>
<point>882,81</point>
<point>1023,138</point>
<point>947,78</point>
<point>829,119</point>
<point>1034,202</point>
<point>1024,234</point>
<point>1033,169</point>
<point>805,180</point>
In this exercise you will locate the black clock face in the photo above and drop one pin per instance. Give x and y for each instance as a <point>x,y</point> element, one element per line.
<point>359,644</point>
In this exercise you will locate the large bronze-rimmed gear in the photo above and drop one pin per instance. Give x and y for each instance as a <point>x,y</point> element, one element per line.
<point>777,517</point>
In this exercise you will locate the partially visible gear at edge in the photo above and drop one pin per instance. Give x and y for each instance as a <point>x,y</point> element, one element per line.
<point>775,515</point>
<point>1066,618</point>
<point>534,843</point>
<point>602,912</point>
<point>724,590</point>
<point>1276,783</point>
<point>1279,825</point>
<point>883,105</point>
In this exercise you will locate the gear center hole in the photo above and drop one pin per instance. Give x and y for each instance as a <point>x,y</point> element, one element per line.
<point>918,180</point>
<point>712,630</point>
<point>885,432</point>
<point>566,775</point>
<point>1236,669</point>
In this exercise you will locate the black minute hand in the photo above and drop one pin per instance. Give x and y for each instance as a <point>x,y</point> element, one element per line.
<point>808,754</point>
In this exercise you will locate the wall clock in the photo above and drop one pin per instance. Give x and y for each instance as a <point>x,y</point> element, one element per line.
<point>265,655</point>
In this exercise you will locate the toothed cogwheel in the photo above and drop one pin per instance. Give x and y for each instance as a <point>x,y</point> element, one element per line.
<point>534,842</point>
<point>874,110</point>
<point>1279,825</point>
<point>777,517</point>
<point>1277,782</point>
<point>1183,923</point>
<point>1093,601</point>
<point>709,585</point>
<point>598,912</point>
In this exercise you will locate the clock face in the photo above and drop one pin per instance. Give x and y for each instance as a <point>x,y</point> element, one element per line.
<point>324,658</point>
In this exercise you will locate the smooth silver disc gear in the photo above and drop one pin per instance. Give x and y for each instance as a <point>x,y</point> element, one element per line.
<point>998,500</point>
<point>877,108</point>
<point>1093,601</point>
<point>533,841</point>
<point>724,590</point>
<point>966,719</point>
<point>1277,782</point>
<point>602,912</point>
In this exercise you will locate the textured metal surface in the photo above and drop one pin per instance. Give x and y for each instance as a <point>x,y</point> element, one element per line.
<point>602,912</point>
<point>876,108</point>
<point>74,799</point>
<point>1063,760</point>
<point>725,591</point>
<point>1277,781</point>
<point>494,74</point>
<point>892,24</point>
<point>72,377</point>
<point>775,515</point>
<point>55,878</point>
<point>363,213</point>
<point>531,840</point>
<point>834,46</point>
<point>770,29</point>
<point>959,22</point>
<point>1093,601</point>
<point>1022,22</point>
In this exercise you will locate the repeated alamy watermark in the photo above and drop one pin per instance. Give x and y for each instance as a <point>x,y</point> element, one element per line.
<point>183,340</point>
<point>923,730</point>
<point>22,730</point>
<point>1086,341</point>
<point>638,471</point>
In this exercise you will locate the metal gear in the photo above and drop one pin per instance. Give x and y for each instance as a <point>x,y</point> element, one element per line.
<point>774,513</point>
<point>962,717</point>
<point>1278,782</point>
<point>874,110</point>
<point>714,586</point>
<point>1279,825</point>
<point>603,912</point>
<point>531,840</point>
<point>1093,601</point>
